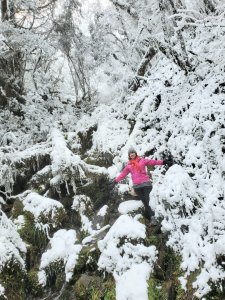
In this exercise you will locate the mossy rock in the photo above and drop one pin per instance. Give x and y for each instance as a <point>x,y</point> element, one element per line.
<point>86,139</point>
<point>35,238</point>
<point>100,159</point>
<point>155,290</point>
<point>98,191</point>
<point>17,209</point>
<point>94,288</point>
<point>31,234</point>
<point>26,169</point>
<point>55,275</point>
<point>164,282</point>
<point>87,261</point>
<point>56,221</point>
<point>40,181</point>
<point>34,289</point>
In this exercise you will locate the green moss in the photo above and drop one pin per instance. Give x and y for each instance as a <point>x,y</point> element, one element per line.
<point>55,275</point>
<point>80,291</point>
<point>100,159</point>
<point>181,293</point>
<point>164,282</point>
<point>155,290</point>
<point>58,219</point>
<point>153,240</point>
<point>97,288</point>
<point>109,289</point>
<point>17,209</point>
<point>217,292</point>
<point>33,286</point>
<point>92,161</point>
<point>87,261</point>
<point>189,293</point>
<point>31,234</point>
<point>98,191</point>
<point>167,272</point>
<point>12,277</point>
<point>110,295</point>
<point>35,238</point>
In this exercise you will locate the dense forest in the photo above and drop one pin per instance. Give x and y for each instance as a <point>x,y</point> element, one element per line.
<point>81,81</point>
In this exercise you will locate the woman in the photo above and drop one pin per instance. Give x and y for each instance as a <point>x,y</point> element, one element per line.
<point>141,181</point>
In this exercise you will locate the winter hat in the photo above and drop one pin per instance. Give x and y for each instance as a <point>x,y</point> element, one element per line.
<point>131,150</point>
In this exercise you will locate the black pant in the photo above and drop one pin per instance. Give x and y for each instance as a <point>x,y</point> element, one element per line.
<point>143,194</point>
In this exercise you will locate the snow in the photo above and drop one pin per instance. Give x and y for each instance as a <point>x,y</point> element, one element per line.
<point>63,248</point>
<point>111,136</point>
<point>131,286</point>
<point>187,196</point>
<point>2,290</point>
<point>124,255</point>
<point>12,248</point>
<point>63,158</point>
<point>129,206</point>
<point>39,205</point>
<point>10,160</point>
<point>123,188</point>
<point>187,218</point>
<point>94,235</point>
<point>187,123</point>
<point>82,203</point>
<point>103,211</point>
<point>19,222</point>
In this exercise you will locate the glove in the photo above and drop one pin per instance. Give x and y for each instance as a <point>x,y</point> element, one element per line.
<point>112,184</point>
<point>169,162</point>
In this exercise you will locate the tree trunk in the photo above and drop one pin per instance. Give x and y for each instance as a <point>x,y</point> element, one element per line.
<point>145,61</point>
<point>181,39</point>
<point>163,20</point>
<point>135,83</point>
<point>170,53</point>
<point>4,10</point>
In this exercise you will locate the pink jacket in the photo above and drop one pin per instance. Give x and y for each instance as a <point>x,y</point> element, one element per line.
<point>138,176</point>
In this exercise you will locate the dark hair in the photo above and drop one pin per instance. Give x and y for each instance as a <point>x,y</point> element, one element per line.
<point>130,153</point>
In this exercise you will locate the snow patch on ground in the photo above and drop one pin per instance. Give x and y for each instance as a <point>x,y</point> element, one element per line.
<point>103,211</point>
<point>63,248</point>
<point>124,255</point>
<point>2,290</point>
<point>129,206</point>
